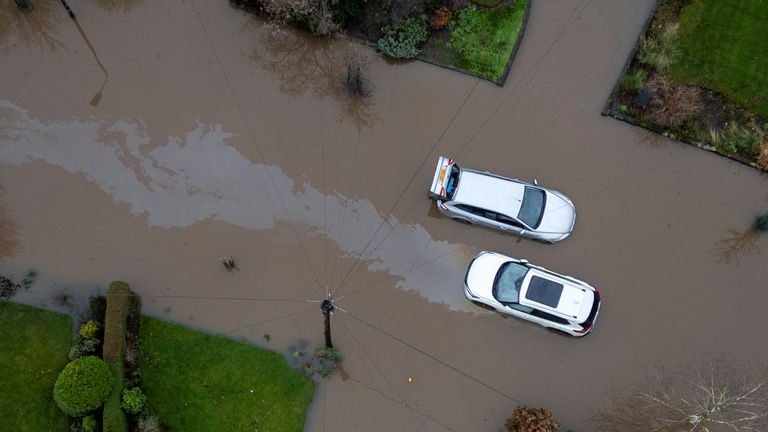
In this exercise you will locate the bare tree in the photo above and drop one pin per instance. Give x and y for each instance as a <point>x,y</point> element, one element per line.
<point>708,396</point>
<point>740,243</point>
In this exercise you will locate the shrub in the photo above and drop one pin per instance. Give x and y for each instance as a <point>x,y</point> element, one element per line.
<point>441,18</point>
<point>134,401</point>
<point>114,321</point>
<point>88,424</point>
<point>660,50</point>
<point>761,223</point>
<point>346,11</point>
<point>90,329</point>
<point>403,39</point>
<point>633,81</point>
<point>672,105</point>
<point>83,385</point>
<point>526,419</point>
<point>330,354</point>
<point>429,6</point>
<point>762,160</point>
<point>82,347</point>
<point>149,424</point>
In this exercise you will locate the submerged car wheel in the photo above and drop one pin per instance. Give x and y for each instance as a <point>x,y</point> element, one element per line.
<point>483,305</point>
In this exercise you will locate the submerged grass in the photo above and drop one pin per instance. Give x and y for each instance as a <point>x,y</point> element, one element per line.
<point>484,39</point>
<point>724,47</point>
<point>33,350</point>
<point>197,382</point>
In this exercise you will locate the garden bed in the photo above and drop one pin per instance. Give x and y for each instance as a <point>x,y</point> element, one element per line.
<point>698,75</point>
<point>480,38</point>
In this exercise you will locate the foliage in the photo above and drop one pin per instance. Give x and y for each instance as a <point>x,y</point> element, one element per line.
<point>347,11</point>
<point>633,81</point>
<point>403,39</point>
<point>762,159</point>
<point>134,401</point>
<point>722,48</point>
<point>484,40</point>
<point>34,349</point>
<point>736,138</point>
<point>672,105</point>
<point>82,347</point>
<point>660,50</point>
<point>316,16</point>
<point>710,394</point>
<point>526,419</point>
<point>83,385</point>
<point>195,381</point>
<point>487,3</point>
<point>440,18</point>
<point>90,329</point>
<point>88,424</point>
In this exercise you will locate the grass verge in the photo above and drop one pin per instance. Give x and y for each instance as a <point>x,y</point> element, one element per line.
<point>197,382</point>
<point>33,350</point>
<point>118,299</point>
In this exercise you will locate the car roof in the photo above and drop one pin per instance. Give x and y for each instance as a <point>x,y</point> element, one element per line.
<point>557,295</point>
<point>489,192</point>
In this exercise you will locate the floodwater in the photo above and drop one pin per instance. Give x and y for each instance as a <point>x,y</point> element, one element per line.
<point>217,135</point>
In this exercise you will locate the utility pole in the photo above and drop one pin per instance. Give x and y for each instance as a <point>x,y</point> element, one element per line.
<point>327,308</point>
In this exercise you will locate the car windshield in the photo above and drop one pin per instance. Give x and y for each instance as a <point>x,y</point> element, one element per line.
<point>453,182</point>
<point>532,208</point>
<point>506,287</point>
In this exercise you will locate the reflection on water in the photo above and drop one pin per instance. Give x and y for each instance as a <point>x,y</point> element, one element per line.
<point>118,5</point>
<point>35,27</point>
<point>306,64</point>
<point>9,244</point>
<point>199,176</point>
<point>737,245</point>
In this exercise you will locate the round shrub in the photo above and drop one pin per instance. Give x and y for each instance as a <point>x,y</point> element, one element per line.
<point>83,385</point>
<point>403,39</point>
<point>133,400</point>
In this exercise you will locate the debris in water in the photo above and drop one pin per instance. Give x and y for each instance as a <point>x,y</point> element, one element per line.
<point>229,263</point>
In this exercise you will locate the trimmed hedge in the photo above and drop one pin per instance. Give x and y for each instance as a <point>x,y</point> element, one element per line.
<point>118,299</point>
<point>83,386</point>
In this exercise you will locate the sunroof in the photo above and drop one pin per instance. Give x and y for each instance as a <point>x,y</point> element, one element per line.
<point>544,291</point>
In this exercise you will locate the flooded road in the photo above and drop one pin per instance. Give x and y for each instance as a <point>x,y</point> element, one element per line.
<point>213,139</point>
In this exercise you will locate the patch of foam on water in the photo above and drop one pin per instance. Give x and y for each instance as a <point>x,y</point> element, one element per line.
<point>199,176</point>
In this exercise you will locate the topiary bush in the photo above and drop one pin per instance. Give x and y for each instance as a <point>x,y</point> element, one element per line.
<point>83,385</point>
<point>89,424</point>
<point>403,39</point>
<point>82,347</point>
<point>134,401</point>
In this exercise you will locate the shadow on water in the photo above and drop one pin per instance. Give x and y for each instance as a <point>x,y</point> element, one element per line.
<point>9,243</point>
<point>34,27</point>
<point>305,64</point>
<point>739,244</point>
<point>96,97</point>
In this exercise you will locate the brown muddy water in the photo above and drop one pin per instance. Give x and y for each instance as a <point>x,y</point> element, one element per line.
<point>217,135</point>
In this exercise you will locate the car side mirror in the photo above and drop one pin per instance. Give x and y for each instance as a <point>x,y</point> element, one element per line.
<point>536,182</point>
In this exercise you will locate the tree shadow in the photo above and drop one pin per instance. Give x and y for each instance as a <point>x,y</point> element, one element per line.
<point>34,27</point>
<point>304,64</point>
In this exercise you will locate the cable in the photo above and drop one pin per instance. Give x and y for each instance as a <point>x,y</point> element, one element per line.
<point>268,320</point>
<point>447,365</point>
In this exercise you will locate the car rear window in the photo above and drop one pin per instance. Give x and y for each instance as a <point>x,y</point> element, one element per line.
<point>453,182</point>
<point>532,207</point>
<point>544,291</point>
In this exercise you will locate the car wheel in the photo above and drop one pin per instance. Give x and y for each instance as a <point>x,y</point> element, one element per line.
<point>547,242</point>
<point>464,221</point>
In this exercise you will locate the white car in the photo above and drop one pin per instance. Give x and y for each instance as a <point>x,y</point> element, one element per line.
<point>533,293</point>
<point>501,203</point>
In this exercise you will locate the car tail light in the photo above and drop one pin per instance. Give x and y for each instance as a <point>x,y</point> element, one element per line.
<point>597,293</point>
<point>443,206</point>
<point>584,330</point>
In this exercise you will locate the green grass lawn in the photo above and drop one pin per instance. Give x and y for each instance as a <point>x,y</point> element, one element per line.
<point>197,382</point>
<point>34,344</point>
<point>484,39</point>
<point>724,47</point>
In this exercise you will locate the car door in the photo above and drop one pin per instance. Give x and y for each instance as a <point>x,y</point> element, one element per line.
<point>475,215</point>
<point>508,224</point>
